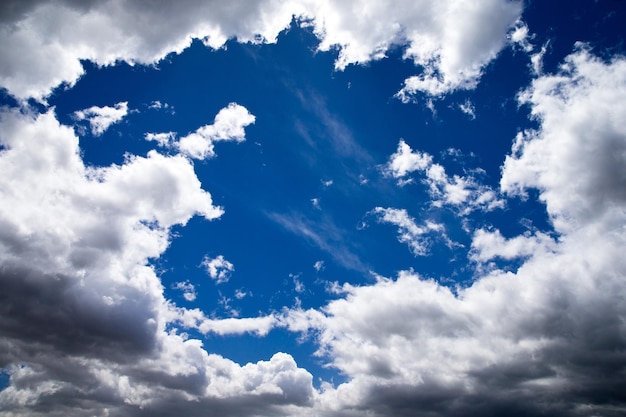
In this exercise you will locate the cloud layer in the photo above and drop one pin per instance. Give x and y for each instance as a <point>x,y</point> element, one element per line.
<point>451,41</point>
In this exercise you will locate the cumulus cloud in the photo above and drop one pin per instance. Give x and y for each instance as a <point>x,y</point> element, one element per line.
<point>85,327</point>
<point>44,41</point>
<point>546,339</point>
<point>487,245</point>
<point>576,158</point>
<point>229,125</point>
<point>101,118</point>
<point>218,268</point>
<point>463,192</point>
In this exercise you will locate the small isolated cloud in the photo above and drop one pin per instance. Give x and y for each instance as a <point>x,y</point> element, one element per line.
<point>229,125</point>
<point>408,230</point>
<point>218,268</point>
<point>327,183</point>
<point>188,289</point>
<point>158,105</point>
<point>101,118</point>
<point>240,294</point>
<point>319,266</point>
<point>297,283</point>
<point>468,108</point>
<point>316,203</point>
<point>164,140</point>
<point>462,192</point>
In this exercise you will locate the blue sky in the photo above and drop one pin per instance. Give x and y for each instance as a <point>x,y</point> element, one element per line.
<point>312,208</point>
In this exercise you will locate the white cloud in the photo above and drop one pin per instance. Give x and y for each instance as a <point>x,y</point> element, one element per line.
<point>218,268</point>
<point>101,118</point>
<point>408,230</point>
<point>576,158</point>
<point>462,192</point>
<point>188,289</point>
<point>43,44</point>
<point>165,139</point>
<point>319,266</point>
<point>75,245</point>
<point>229,125</point>
<point>487,245</point>
<point>468,108</point>
<point>546,339</point>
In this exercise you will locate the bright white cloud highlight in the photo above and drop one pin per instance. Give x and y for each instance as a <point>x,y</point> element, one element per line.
<point>229,125</point>
<point>101,118</point>
<point>218,268</point>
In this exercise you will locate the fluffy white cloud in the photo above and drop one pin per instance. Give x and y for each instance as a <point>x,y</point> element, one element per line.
<point>229,125</point>
<point>548,338</point>
<point>487,245</point>
<point>462,192</point>
<point>576,158</point>
<point>100,118</point>
<point>82,312</point>
<point>44,41</point>
<point>218,268</point>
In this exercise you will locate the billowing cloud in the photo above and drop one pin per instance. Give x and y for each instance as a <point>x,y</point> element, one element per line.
<point>451,41</point>
<point>100,118</point>
<point>576,158</point>
<point>546,339</point>
<point>84,322</point>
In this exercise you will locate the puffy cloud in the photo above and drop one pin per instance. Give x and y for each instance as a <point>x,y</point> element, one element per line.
<point>462,192</point>
<point>487,245</point>
<point>546,339</point>
<point>85,327</point>
<point>218,268</point>
<point>100,118</point>
<point>228,126</point>
<point>576,158</point>
<point>188,289</point>
<point>44,41</point>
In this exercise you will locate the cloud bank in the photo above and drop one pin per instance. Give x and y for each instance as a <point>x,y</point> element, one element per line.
<point>450,41</point>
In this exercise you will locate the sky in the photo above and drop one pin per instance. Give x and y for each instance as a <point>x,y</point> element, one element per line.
<point>312,208</point>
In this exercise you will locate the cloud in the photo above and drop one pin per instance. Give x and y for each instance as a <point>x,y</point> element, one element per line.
<point>487,245</point>
<point>547,339</point>
<point>468,108</point>
<point>85,327</point>
<point>229,125</point>
<point>408,231</point>
<point>462,192</point>
<point>44,41</point>
<point>188,289</point>
<point>576,158</point>
<point>101,118</point>
<point>164,139</point>
<point>218,268</point>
